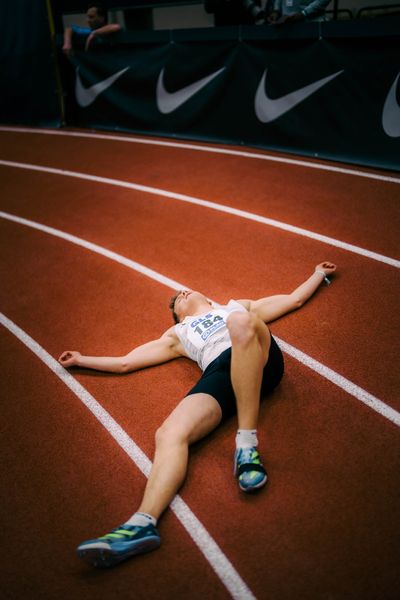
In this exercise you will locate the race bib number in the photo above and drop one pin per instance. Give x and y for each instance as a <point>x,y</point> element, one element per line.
<point>201,329</point>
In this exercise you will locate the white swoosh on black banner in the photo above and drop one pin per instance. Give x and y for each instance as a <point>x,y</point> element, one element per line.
<point>268,109</point>
<point>86,96</point>
<point>391,112</point>
<point>167,102</point>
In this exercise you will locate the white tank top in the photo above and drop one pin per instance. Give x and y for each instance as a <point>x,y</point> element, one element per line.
<point>205,336</point>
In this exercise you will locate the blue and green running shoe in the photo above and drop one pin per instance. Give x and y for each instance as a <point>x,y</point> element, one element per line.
<point>249,469</point>
<point>122,543</point>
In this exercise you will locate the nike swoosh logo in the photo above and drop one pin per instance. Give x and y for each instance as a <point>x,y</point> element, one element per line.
<point>167,102</point>
<point>391,112</point>
<point>268,110</point>
<point>86,96</point>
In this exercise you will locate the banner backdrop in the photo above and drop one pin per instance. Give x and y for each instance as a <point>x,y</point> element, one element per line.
<point>324,93</point>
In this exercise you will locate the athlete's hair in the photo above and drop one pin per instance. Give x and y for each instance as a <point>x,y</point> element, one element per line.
<point>172,307</point>
<point>102,10</point>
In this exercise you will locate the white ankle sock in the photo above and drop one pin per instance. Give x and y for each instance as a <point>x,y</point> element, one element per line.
<point>246,438</point>
<point>141,520</point>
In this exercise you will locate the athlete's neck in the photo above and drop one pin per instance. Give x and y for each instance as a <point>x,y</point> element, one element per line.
<point>200,309</point>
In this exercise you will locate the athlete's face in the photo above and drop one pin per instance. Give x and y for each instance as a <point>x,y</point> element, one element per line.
<point>188,302</point>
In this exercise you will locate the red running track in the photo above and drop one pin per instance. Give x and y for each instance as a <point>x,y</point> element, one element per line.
<point>326,525</point>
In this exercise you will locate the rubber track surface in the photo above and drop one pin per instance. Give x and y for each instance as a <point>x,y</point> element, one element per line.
<point>326,526</point>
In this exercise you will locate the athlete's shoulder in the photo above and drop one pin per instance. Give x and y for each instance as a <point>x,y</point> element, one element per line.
<point>173,340</point>
<point>238,304</point>
<point>170,332</point>
<point>244,303</point>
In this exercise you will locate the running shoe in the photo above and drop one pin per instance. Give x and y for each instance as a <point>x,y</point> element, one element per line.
<point>122,543</point>
<point>249,469</point>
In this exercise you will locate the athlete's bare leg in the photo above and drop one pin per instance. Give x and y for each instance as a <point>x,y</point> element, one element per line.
<point>251,341</point>
<point>193,418</point>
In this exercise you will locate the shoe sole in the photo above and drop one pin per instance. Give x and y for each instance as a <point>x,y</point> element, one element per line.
<point>103,558</point>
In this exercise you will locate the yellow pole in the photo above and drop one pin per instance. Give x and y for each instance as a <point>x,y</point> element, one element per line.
<point>60,92</point>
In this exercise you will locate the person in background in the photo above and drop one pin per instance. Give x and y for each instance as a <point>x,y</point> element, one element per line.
<point>284,12</point>
<point>98,26</point>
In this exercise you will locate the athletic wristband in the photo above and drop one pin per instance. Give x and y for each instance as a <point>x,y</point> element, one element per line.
<point>327,281</point>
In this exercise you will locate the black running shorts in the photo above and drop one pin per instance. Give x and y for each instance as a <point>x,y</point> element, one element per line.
<point>216,379</point>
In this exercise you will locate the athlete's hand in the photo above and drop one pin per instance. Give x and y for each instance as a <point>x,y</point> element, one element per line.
<point>327,267</point>
<point>69,358</point>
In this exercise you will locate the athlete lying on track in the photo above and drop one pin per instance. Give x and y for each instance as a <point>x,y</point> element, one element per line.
<point>240,361</point>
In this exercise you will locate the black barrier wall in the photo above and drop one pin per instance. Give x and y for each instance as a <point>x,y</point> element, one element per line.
<point>29,93</point>
<point>326,90</point>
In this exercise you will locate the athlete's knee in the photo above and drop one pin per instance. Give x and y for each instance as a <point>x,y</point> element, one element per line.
<point>242,327</point>
<point>164,435</point>
<point>169,434</point>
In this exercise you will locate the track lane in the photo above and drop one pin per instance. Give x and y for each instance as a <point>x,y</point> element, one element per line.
<point>333,204</point>
<point>69,479</point>
<point>204,542</point>
<point>297,463</point>
<point>248,216</point>
<point>330,560</point>
<point>212,148</point>
<point>132,217</point>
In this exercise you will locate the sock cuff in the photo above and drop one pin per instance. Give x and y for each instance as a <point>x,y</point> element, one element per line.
<point>246,431</point>
<point>246,438</point>
<point>141,519</point>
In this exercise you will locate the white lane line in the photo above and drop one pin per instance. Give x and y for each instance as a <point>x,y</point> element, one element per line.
<point>345,384</point>
<point>207,545</point>
<point>351,388</point>
<point>127,262</point>
<point>210,149</point>
<point>212,205</point>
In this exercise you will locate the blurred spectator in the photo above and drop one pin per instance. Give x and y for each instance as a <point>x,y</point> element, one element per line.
<point>293,11</point>
<point>97,20</point>
<point>235,12</point>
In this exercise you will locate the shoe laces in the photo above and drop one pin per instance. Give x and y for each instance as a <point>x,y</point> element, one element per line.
<point>248,456</point>
<point>121,532</point>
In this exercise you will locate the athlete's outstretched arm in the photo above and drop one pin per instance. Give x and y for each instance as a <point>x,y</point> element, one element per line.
<point>156,352</point>
<point>273,307</point>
